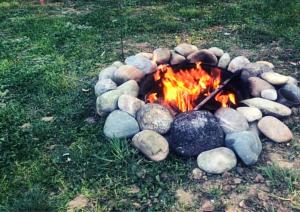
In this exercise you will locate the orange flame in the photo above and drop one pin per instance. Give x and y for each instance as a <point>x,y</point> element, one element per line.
<point>182,89</point>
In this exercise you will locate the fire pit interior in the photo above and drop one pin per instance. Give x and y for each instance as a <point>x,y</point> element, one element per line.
<point>196,103</point>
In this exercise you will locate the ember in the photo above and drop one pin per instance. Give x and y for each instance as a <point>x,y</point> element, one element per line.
<point>184,88</point>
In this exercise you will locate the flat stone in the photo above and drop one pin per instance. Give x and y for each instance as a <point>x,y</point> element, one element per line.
<point>224,61</point>
<point>217,161</point>
<point>146,55</point>
<point>130,88</point>
<point>231,120</point>
<point>117,64</point>
<point>250,113</point>
<point>254,70</point>
<point>265,63</point>
<point>185,49</point>
<point>107,73</point>
<point>237,63</point>
<point>141,63</point>
<point>204,56</point>
<point>216,51</point>
<point>154,117</point>
<point>130,104</point>
<point>161,55</point>
<point>270,94</point>
<point>291,92</point>
<point>194,132</point>
<point>274,78</point>
<point>257,85</point>
<point>104,85</point>
<point>246,145</point>
<point>151,144</point>
<point>126,73</point>
<point>268,107</point>
<point>176,58</point>
<point>108,101</point>
<point>274,129</point>
<point>120,124</point>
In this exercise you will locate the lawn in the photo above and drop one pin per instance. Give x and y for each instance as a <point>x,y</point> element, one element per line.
<point>52,147</point>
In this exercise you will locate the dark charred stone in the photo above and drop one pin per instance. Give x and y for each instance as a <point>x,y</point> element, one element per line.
<point>194,132</point>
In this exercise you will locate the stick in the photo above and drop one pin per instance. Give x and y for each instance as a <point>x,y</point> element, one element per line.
<point>215,92</point>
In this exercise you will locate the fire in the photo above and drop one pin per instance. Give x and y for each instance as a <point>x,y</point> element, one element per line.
<point>182,89</point>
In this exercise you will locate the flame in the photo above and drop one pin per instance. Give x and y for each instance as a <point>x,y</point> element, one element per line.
<point>182,89</point>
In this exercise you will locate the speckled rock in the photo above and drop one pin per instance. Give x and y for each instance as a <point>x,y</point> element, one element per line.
<point>143,64</point>
<point>224,61</point>
<point>217,161</point>
<point>203,55</point>
<point>270,94</point>
<point>254,70</point>
<point>216,51</point>
<point>151,144</point>
<point>126,73</point>
<point>268,107</point>
<point>161,55</point>
<point>246,145</point>
<point>130,104</point>
<point>274,78</point>
<point>104,85</point>
<point>194,132</point>
<point>257,85</point>
<point>146,55</point>
<point>108,101</point>
<point>130,88</point>
<point>231,120</point>
<point>237,63</point>
<point>185,49</point>
<point>176,58</point>
<point>250,113</point>
<point>265,63</point>
<point>154,117</point>
<point>120,124</point>
<point>274,129</point>
<point>107,73</point>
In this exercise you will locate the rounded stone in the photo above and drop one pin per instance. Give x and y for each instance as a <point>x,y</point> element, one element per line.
<point>161,55</point>
<point>270,94</point>
<point>231,120</point>
<point>194,132</point>
<point>250,113</point>
<point>254,70</point>
<point>126,73</point>
<point>291,92</point>
<point>141,63</point>
<point>274,78</point>
<point>108,101</point>
<point>130,88</point>
<point>185,49</point>
<point>176,58</point>
<point>130,104</point>
<point>224,61</point>
<point>217,161</point>
<point>266,63</point>
<point>216,51</point>
<point>147,55</point>
<point>117,64</point>
<point>204,56</point>
<point>292,80</point>
<point>268,107</point>
<point>274,129</point>
<point>237,63</point>
<point>151,144</point>
<point>104,85</point>
<point>246,145</point>
<point>120,124</point>
<point>107,73</point>
<point>154,117</point>
<point>257,85</point>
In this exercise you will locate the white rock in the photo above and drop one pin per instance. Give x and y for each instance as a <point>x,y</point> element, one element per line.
<point>130,104</point>
<point>250,113</point>
<point>274,78</point>
<point>104,85</point>
<point>107,73</point>
<point>130,88</point>
<point>216,51</point>
<point>126,73</point>
<point>185,49</point>
<point>266,63</point>
<point>146,55</point>
<point>224,61</point>
<point>270,94</point>
<point>237,63</point>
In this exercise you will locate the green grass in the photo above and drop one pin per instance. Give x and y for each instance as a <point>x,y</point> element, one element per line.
<point>49,54</point>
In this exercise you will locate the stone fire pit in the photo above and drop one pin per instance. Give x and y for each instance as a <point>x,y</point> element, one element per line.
<point>217,137</point>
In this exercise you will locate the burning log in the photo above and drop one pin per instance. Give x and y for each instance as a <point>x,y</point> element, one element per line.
<point>219,89</point>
